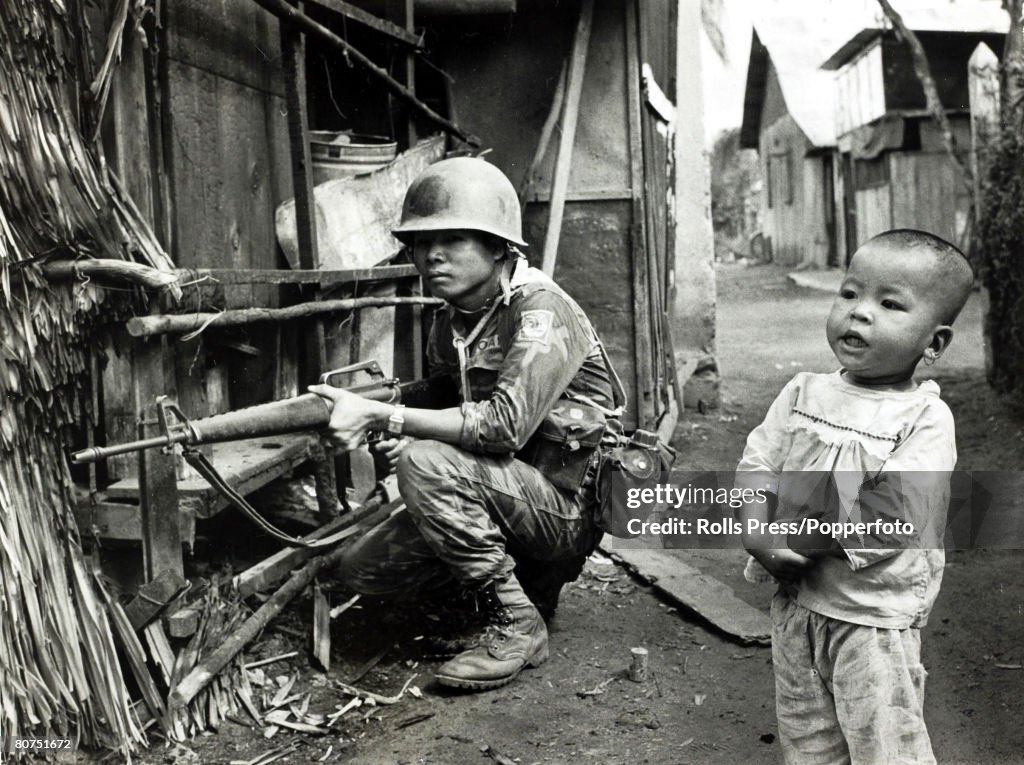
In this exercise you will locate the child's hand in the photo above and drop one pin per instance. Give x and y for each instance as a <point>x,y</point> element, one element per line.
<point>782,563</point>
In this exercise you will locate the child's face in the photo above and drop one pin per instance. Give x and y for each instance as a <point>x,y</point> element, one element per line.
<point>884,318</point>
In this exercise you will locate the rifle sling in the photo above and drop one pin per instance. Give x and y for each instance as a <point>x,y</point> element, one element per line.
<point>203,466</point>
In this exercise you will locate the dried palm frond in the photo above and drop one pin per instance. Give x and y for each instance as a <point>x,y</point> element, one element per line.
<point>220,616</point>
<point>59,673</point>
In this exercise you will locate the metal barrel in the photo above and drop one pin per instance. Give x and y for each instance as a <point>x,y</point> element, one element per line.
<point>97,453</point>
<point>305,412</point>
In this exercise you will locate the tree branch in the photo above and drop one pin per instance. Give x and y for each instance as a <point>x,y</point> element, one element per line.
<point>931,93</point>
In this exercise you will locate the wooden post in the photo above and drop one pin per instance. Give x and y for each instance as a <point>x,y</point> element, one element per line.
<point>643,359</point>
<point>293,51</point>
<point>983,92</point>
<point>158,485</point>
<point>691,304</point>
<point>563,164</point>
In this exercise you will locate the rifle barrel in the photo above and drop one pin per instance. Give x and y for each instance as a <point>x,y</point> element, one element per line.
<point>97,453</point>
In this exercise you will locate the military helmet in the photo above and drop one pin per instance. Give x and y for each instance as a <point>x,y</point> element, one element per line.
<point>463,192</point>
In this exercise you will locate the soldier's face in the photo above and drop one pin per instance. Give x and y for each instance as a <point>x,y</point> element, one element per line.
<point>458,266</point>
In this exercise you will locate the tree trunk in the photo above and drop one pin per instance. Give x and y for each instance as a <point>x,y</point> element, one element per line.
<point>931,93</point>
<point>1001,220</point>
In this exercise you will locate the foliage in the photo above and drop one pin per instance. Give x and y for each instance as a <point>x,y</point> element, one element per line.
<point>735,185</point>
<point>1001,240</point>
<point>59,671</point>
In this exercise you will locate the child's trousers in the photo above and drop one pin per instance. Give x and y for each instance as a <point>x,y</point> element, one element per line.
<point>845,693</point>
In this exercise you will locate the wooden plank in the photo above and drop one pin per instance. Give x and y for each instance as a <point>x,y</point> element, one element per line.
<point>270,570</point>
<point>582,195</point>
<point>570,116</point>
<point>118,400</point>
<point>643,399</point>
<point>293,49</point>
<point>231,39</point>
<point>349,11</point>
<point>708,597</point>
<point>403,69</point>
<point>121,521</point>
<point>246,465</point>
<point>526,191</point>
<point>158,493</point>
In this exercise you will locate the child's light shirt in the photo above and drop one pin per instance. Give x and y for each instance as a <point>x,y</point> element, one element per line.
<point>821,422</point>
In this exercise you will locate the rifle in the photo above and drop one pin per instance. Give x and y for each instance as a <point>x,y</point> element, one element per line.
<point>305,412</point>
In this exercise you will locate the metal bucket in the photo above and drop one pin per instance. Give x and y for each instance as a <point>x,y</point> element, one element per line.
<point>345,155</point>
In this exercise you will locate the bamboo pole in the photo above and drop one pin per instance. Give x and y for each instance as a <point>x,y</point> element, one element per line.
<point>108,269</point>
<point>162,324</point>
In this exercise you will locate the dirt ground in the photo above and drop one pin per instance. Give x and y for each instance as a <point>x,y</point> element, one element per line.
<point>708,699</point>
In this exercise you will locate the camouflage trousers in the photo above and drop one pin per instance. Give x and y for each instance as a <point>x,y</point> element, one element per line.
<point>466,515</point>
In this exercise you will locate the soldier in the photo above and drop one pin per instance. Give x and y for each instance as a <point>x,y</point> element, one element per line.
<point>507,470</point>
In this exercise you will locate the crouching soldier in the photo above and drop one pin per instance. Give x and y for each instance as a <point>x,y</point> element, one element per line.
<point>505,473</point>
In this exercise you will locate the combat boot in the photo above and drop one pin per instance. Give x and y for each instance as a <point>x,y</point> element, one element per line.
<point>515,639</point>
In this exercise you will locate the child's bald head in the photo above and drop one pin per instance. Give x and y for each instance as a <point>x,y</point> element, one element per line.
<point>951,277</point>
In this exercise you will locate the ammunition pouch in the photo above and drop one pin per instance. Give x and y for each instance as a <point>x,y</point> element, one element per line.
<point>565,444</point>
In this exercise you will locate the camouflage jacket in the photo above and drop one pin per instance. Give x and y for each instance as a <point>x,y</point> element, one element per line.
<point>537,349</point>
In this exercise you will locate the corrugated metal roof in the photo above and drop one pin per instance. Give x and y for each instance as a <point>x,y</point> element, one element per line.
<point>975,16</point>
<point>795,38</point>
<point>799,36</point>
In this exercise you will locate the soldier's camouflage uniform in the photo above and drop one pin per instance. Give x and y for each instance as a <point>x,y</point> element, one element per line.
<point>470,505</point>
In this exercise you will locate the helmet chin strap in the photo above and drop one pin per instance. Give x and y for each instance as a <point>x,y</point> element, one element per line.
<point>463,343</point>
<point>508,265</point>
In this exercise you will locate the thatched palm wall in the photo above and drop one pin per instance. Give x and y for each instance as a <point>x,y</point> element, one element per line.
<point>59,674</point>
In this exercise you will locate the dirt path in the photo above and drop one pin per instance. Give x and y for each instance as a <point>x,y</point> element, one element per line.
<point>769,329</point>
<point>709,700</point>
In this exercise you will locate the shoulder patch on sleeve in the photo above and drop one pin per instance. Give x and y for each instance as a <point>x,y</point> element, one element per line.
<point>536,325</point>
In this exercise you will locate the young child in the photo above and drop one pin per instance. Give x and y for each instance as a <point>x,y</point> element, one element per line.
<point>846,619</point>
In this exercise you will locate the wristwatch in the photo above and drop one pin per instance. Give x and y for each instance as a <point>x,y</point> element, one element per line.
<point>396,422</point>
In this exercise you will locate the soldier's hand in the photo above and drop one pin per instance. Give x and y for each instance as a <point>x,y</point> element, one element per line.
<point>351,416</point>
<point>391,448</point>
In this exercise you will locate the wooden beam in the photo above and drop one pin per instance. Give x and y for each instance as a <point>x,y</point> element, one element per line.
<point>557,101</point>
<point>638,243</point>
<point>349,11</point>
<point>299,20</point>
<point>145,326</point>
<point>293,48</point>
<point>570,116</point>
<point>158,487</point>
<point>271,570</point>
